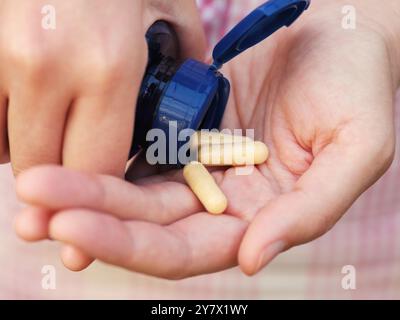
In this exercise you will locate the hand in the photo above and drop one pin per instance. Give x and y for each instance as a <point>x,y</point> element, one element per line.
<point>69,94</point>
<point>321,97</point>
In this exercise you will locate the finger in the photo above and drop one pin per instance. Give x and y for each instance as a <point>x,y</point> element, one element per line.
<point>198,244</point>
<point>36,118</point>
<point>32,224</point>
<point>190,32</point>
<point>75,259</point>
<point>59,188</point>
<point>4,154</point>
<point>99,129</point>
<point>321,196</point>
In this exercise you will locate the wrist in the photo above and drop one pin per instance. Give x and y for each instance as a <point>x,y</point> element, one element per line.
<point>385,19</point>
<point>393,39</point>
<point>382,19</point>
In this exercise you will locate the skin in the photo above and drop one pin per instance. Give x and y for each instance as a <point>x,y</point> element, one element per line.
<point>67,96</point>
<point>319,96</point>
<point>76,86</point>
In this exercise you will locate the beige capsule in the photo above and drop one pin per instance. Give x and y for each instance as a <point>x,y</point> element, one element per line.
<point>233,154</point>
<point>205,188</point>
<point>210,137</point>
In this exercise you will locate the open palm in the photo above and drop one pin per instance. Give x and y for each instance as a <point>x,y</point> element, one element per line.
<point>320,97</point>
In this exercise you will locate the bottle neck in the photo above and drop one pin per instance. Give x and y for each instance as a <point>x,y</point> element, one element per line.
<point>154,84</point>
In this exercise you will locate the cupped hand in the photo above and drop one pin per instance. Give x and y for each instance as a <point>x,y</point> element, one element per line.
<point>70,74</point>
<point>319,96</point>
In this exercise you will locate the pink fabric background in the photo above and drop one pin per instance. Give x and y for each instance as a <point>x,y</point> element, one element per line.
<point>368,238</point>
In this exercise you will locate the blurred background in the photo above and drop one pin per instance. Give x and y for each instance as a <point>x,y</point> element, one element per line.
<point>367,238</point>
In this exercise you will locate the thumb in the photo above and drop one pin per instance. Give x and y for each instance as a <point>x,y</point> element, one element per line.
<point>336,178</point>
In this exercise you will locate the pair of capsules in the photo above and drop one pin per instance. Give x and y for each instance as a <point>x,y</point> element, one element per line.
<point>218,149</point>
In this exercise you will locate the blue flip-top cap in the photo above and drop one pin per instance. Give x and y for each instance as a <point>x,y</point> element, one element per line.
<point>258,25</point>
<point>193,95</point>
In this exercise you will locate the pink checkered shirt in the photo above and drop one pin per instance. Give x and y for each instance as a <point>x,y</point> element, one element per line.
<point>368,238</point>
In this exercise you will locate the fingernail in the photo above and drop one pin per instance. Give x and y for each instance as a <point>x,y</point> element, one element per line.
<point>270,252</point>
